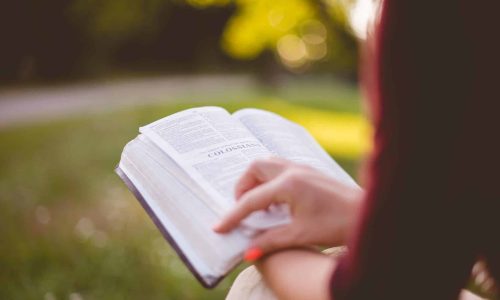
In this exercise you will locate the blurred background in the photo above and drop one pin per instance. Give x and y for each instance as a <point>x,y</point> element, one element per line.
<point>77,79</point>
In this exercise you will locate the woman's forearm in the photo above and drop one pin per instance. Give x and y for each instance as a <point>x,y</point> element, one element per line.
<point>298,274</point>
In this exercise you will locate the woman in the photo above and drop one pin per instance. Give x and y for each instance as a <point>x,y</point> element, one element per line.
<point>432,199</point>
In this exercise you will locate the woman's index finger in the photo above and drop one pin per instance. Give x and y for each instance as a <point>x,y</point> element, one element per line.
<point>258,172</point>
<point>256,199</point>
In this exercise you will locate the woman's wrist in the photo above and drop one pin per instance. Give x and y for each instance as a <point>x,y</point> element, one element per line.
<point>351,210</point>
<point>297,273</point>
<point>354,208</point>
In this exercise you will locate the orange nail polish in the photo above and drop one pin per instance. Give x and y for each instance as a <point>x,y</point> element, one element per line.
<point>253,254</point>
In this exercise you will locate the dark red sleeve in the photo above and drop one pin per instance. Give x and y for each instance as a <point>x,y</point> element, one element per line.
<point>432,197</point>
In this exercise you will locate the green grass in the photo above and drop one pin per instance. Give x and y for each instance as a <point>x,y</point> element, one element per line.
<point>67,223</point>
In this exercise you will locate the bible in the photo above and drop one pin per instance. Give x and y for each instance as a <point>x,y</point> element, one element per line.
<point>183,169</point>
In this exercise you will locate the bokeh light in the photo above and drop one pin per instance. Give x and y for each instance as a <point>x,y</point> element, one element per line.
<point>292,51</point>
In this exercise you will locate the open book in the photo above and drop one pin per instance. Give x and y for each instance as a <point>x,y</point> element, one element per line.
<point>183,169</point>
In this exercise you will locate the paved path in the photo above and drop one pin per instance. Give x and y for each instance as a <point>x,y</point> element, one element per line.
<point>26,105</point>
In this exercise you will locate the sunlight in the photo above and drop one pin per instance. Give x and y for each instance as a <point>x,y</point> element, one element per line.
<point>362,16</point>
<point>346,135</point>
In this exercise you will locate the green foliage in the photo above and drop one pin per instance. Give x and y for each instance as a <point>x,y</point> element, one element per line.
<point>116,20</point>
<point>258,25</point>
<point>300,32</point>
<point>207,3</point>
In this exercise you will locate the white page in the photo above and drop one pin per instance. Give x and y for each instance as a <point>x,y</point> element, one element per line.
<point>214,149</point>
<point>291,141</point>
<point>184,215</point>
<point>172,167</point>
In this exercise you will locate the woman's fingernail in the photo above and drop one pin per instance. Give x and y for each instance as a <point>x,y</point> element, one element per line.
<point>216,227</point>
<point>253,254</point>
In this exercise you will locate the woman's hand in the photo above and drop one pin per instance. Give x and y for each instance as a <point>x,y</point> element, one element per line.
<point>323,209</point>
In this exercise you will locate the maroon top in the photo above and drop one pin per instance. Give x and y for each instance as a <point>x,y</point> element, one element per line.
<point>433,196</point>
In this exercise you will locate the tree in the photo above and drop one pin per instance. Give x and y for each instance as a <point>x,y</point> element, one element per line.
<point>299,32</point>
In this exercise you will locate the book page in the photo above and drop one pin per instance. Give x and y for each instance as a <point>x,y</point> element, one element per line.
<point>171,167</point>
<point>291,141</point>
<point>180,210</point>
<point>214,149</point>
